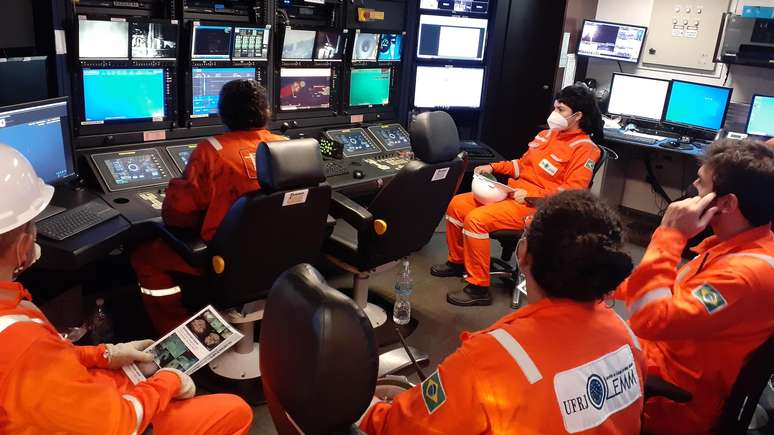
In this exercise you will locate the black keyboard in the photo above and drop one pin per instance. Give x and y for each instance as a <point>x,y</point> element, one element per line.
<point>620,135</point>
<point>332,168</point>
<point>475,150</point>
<point>75,220</point>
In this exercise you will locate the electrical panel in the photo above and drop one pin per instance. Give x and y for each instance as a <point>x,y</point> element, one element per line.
<point>684,34</point>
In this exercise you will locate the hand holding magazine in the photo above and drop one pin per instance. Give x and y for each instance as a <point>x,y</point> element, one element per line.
<point>188,347</point>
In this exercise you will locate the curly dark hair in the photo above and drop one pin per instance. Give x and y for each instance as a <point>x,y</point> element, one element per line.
<point>243,105</point>
<point>580,99</point>
<point>576,244</point>
<point>746,169</point>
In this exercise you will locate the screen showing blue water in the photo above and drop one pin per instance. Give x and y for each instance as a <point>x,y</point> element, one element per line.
<point>697,105</point>
<point>116,94</point>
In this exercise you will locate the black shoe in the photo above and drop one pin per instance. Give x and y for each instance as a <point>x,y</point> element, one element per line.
<point>447,269</point>
<point>469,296</point>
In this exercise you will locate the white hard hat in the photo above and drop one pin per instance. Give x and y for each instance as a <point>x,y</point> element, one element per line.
<point>487,191</point>
<point>23,195</point>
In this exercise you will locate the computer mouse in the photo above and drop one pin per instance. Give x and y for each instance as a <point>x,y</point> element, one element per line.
<point>358,174</point>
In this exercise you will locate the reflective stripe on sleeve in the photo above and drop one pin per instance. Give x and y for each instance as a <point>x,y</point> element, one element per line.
<point>11,319</point>
<point>580,141</point>
<point>651,296</point>
<point>472,235</point>
<point>139,412</point>
<point>631,333</point>
<point>215,143</point>
<point>454,221</point>
<point>767,258</point>
<point>161,292</point>
<point>518,354</point>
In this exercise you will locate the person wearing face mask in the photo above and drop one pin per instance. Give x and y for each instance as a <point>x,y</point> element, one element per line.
<point>561,158</point>
<point>699,322</point>
<point>47,384</point>
<point>564,363</point>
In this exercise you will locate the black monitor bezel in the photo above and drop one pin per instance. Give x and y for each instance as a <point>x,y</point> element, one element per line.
<point>749,114</point>
<point>112,186</point>
<point>580,40</point>
<point>634,117</point>
<point>690,126</point>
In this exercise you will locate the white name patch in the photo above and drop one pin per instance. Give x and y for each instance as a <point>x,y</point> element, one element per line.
<point>296,197</point>
<point>548,167</point>
<point>589,394</point>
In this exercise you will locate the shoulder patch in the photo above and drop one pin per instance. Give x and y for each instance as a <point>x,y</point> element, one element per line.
<point>710,297</point>
<point>433,393</point>
<point>590,164</point>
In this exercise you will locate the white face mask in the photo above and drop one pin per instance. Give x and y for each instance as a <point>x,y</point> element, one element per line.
<point>557,122</point>
<point>36,248</point>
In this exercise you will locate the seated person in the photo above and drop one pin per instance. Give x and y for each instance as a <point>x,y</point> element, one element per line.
<point>561,158</point>
<point>51,386</point>
<point>697,324</point>
<point>220,170</point>
<point>564,363</point>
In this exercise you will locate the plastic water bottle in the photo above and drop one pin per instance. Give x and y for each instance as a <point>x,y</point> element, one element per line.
<point>401,313</point>
<point>101,325</point>
<point>521,287</point>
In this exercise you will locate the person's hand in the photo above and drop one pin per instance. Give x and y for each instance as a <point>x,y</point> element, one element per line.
<point>484,169</point>
<point>119,355</point>
<point>187,387</point>
<point>690,216</point>
<point>519,195</point>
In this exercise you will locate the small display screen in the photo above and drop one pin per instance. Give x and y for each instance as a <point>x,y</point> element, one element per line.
<point>123,94</point>
<point>129,169</point>
<point>355,140</point>
<point>298,44</point>
<point>697,105</point>
<point>392,137</point>
<point>153,40</point>
<point>103,39</point>
<point>761,121</point>
<point>459,38</point>
<point>251,43</point>
<point>328,46</point>
<point>612,41</point>
<point>390,46</point>
<point>366,46</point>
<point>640,97</point>
<point>211,42</point>
<point>305,88</point>
<point>181,154</point>
<point>206,84</point>
<point>369,87</point>
<point>440,86</point>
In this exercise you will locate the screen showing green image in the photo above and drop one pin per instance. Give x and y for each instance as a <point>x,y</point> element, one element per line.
<point>369,87</point>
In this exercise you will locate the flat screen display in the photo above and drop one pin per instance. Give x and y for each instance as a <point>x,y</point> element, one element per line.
<point>328,46</point>
<point>251,43</point>
<point>206,84</point>
<point>298,44</point>
<point>392,137</point>
<point>366,46</point>
<point>457,38</point>
<point>130,169</point>
<point>103,39</point>
<point>181,154</point>
<point>153,40</point>
<point>611,41</point>
<point>305,88</point>
<point>639,97</point>
<point>211,43</point>
<point>390,46</point>
<point>355,140</point>
<point>123,94</point>
<point>761,120</point>
<point>443,86</point>
<point>697,105</point>
<point>369,86</point>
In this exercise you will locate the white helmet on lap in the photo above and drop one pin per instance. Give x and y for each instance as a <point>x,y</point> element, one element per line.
<point>23,195</point>
<point>487,191</point>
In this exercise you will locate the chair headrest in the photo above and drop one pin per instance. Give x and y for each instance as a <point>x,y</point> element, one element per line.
<point>434,137</point>
<point>318,352</point>
<point>289,164</point>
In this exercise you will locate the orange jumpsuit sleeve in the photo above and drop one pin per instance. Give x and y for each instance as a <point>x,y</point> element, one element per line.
<point>461,412</point>
<point>580,169</point>
<point>511,167</point>
<point>662,311</point>
<point>49,388</point>
<point>92,356</point>
<point>187,198</point>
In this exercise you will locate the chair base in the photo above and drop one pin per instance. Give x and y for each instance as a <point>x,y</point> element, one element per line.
<point>376,314</point>
<point>238,366</point>
<point>397,360</point>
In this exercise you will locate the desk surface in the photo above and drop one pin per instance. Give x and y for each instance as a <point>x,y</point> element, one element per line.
<point>697,151</point>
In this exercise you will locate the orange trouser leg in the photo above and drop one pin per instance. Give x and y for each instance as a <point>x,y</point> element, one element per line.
<point>458,209</point>
<point>507,214</point>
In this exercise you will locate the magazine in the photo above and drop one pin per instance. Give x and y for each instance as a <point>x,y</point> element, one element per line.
<point>188,347</point>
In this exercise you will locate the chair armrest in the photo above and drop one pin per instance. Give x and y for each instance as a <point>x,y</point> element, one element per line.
<point>657,387</point>
<point>186,243</point>
<point>352,212</point>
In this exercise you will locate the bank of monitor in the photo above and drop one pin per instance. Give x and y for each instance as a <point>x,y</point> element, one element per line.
<point>696,105</point>
<point>637,97</point>
<point>131,169</point>
<point>250,43</point>
<point>369,86</point>
<point>446,86</point>
<point>298,44</point>
<point>761,119</point>
<point>355,141</point>
<point>328,46</point>
<point>392,137</point>
<point>181,154</point>
<point>480,7</point>
<point>211,42</point>
<point>40,131</point>
<point>613,41</point>
<point>456,38</point>
<point>103,39</point>
<point>123,94</point>
<point>304,89</point>
<point>206,84</point>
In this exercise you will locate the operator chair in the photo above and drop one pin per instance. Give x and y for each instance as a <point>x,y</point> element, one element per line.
<point>320,357</point>
<point>501,267</point>
<point>404,214</point>
<point>264,233</point>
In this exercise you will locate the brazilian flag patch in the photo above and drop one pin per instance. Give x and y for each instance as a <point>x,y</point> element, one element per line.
<point>709,297</point>
<point>590,164</point>
<point>433,393</point>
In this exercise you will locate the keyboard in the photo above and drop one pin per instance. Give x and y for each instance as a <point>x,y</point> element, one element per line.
<point>75,220</point>
<point>388,161</point>
<point>631,136</point>
<point>475,150</point>
<point>332,168</point>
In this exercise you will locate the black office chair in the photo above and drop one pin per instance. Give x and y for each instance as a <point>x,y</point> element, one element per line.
<point>320,358</point>
<point>501,267</point>
<point>404,214</point>
<point>264,233</point>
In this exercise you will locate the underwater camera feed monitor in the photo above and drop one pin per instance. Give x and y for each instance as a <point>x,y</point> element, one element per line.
<point>152,40</point>
<point>369,86</point>
<point>211,42</point>
<point>390,46</point>
<point>103,39</point>
<point>304,88</point>
<point>612,41</point>
<point>328,46</point>
<point>366,46</point>
<point>123,94</point>
<point>298,44</point>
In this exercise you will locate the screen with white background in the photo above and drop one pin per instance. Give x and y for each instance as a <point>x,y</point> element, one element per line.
<point>440,86</point>
<point>451,37</point>
<point>638,96</point>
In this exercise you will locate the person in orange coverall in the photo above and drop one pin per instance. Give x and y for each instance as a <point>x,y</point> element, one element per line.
<point>220,170</point>
<point>48,385</point>
<point>561,158</point>
<point>564,363</point>
<point>698,323</point>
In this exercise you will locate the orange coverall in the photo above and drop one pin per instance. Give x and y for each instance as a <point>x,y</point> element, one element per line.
<point>50,386</point>
<point>698,324</point>
<point>554,161</point>
<point>220,170</point>
<point>552,367</point>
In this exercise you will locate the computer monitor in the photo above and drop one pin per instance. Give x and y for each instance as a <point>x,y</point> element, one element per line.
<point>637,97</point>
<point>390,46</point>
<point>761,119</point>
<point>251,43</point>
<point>206,84</point>
<point>369,86</point>
<point>130,169</point>
<point>445,86</point>
<point>458,38</point>
<point>611,41</point>
<point>304,88</point>
<point>328,46</point>
<point>41,131</point>
<point>29,79</point>
<point>211,42</point>
<point>696,105</point>
<point>123,94</point>
<point>366,46</point>
<point>355,141</point>
<point>298,44</point>
<point>153,40</point>
<point>463,6</point>
<point>103,39</point>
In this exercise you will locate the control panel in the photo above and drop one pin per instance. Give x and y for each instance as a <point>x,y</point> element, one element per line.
<point>180,155</point>
<point>131,169</point>
<point>392,137</point>
<point>356,141</point>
